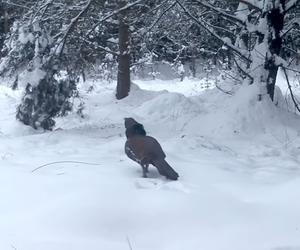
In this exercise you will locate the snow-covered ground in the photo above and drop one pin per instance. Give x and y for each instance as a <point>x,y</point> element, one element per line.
<point>238,160</point>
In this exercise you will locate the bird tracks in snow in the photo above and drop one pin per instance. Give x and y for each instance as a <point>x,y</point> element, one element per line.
<point>159,184</point>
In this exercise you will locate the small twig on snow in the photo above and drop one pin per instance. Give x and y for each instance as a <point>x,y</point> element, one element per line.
<point>13,247</point>
<point>129,243</point>
<point>60,162</point>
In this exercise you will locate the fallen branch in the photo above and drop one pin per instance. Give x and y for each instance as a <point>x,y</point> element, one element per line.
<point>60,162</point>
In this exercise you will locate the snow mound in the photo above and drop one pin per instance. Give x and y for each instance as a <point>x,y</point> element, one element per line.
<point>211,112</point>
<point>171,109</point>
<point>188,87</point>
<point>9,126</point>
<point>243,113</point>
<point>138,96</point>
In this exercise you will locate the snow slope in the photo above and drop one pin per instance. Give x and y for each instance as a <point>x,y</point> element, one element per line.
<point>238,161</point>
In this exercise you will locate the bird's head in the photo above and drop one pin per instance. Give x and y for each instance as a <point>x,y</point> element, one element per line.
<point>129,122</point>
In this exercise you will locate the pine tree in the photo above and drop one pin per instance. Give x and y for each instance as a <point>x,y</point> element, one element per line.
<point>36,57</point>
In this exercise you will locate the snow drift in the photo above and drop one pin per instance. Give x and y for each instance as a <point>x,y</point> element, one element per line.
<point>238,161</point>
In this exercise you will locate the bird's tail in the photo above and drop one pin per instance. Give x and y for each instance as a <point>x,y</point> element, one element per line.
<point>165,169</point>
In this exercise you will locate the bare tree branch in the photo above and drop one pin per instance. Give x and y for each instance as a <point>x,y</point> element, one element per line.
<point>223,90</point>
<point>159,6</point>
<point>295,101</point>
<point>15,4</point>
<point>251,5</point>
<point>219,11</point>
<point>296,53</point>
<point>243,71</point>
<point>161,15</point>
<point>293,70</point>
<point>287,31</point>
<point>111,15</point>
<point>100,47</point>
<point>221,28</point>
<point>291,4</point>
<point>71,26</point>
<point>204,25</point>
<point>44,6</point>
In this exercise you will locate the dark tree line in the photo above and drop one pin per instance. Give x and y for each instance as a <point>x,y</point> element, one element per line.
<point>50,43</point>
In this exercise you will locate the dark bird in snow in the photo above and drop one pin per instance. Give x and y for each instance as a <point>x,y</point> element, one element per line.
<point>146,150</point>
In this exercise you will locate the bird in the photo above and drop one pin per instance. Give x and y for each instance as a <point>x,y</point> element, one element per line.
<point>146,150</point>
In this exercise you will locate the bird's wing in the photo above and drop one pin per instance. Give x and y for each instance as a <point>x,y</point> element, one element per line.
<point>131,154</point>
<point>154,149</point>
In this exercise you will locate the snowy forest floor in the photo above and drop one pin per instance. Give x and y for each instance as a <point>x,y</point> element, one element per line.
<point>238,160</point>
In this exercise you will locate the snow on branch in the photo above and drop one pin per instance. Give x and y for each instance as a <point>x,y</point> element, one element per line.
<point>113,14</point>
<point>72,24</point>
<point>15,4</point>
<point>291,4</point>
<point>244,72</point>
<point>293,25</point>
<point>43,8</point>
<point>219,11</point>
<point>205,25</point>
<point>253,4</point>
<point>159,6</point>
<point>295,52</point>
<point>220,28</point>
<point>161,15</point>
<point>295,101</point>
<point>96,46</point>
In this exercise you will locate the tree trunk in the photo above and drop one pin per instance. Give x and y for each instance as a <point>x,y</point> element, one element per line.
<point>271,79</point>
<point>123,82</point>
<point>5,25</point>
<point>193,66</point>
<point>6,22</point>
<point>275,18</point>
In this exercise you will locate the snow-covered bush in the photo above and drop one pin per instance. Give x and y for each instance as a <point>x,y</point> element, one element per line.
<point>19,48</point>
<point>42,102</point>
<point>34,58</point>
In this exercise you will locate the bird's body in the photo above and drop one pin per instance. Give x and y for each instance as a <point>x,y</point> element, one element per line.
<point>146,150</point>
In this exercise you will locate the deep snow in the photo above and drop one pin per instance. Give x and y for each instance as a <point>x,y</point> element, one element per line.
<point>238,161</point>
